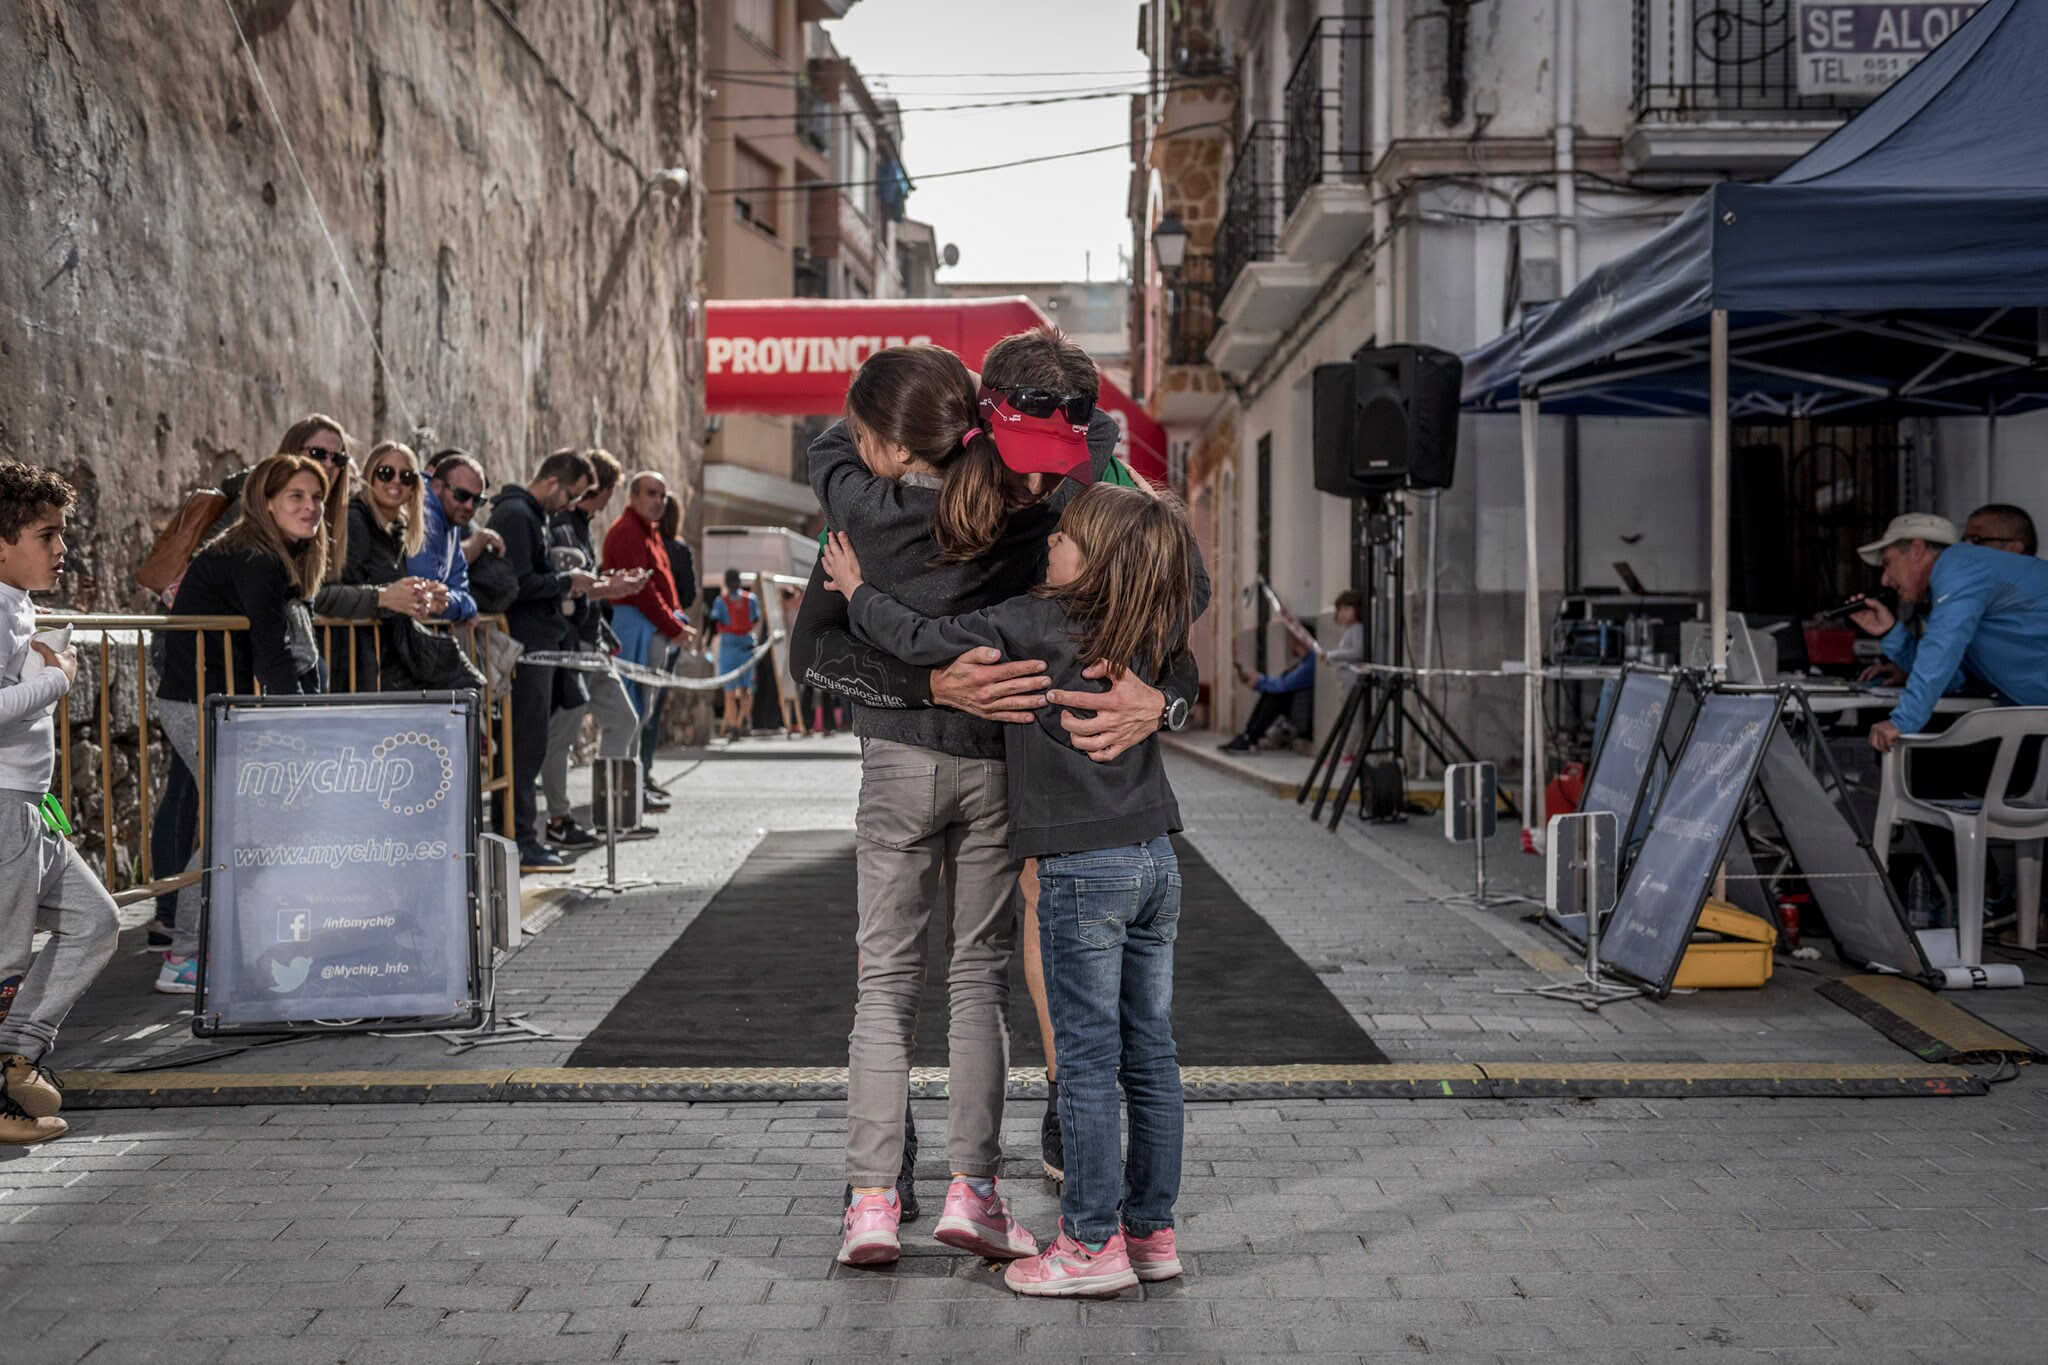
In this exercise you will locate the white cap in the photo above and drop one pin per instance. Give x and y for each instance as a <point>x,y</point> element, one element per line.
<point>1911,526</point>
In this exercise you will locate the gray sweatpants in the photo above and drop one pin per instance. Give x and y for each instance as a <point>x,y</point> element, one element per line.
<point>922,813</point>
<point>180,720</point>
<point>618,727</point>
<point>44,884</point>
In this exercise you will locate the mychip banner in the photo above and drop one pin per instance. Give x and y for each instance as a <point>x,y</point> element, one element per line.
<point>340,887</point>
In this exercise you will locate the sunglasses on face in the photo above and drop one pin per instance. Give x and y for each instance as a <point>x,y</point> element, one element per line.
<point>1044,403</point>
<point>1991,540</point>
<point>463,497</point>
<point>337,458</point>
<point>385,473</point>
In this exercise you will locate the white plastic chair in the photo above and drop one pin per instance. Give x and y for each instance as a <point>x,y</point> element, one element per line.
<point>2021,819</point>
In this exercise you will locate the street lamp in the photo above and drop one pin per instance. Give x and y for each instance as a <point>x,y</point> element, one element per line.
<point>1170,243</point>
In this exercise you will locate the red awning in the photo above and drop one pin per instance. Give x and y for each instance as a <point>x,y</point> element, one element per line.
<point>795,357</point>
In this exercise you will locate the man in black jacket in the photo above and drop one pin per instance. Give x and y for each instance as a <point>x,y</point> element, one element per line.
<point>537,622</point>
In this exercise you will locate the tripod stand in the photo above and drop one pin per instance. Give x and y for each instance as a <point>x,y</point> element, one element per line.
<point>1393,697</point>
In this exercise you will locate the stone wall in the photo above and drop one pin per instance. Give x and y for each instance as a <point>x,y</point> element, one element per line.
<point>171,301</point>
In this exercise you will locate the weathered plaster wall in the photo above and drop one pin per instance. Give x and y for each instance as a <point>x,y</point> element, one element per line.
<point>168,303</point>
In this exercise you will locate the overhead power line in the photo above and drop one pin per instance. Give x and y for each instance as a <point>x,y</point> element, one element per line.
<point>808,185</point>
<point>929,109</point>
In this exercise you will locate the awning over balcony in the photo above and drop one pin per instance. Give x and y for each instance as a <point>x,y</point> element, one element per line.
<point>1932,202</point>
<point>795,357</point>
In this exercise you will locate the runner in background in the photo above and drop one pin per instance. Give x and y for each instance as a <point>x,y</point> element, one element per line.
<point>736,615</point>
<point>44,884</point>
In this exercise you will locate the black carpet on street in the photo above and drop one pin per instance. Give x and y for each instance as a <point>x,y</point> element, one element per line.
<point>764,977</point>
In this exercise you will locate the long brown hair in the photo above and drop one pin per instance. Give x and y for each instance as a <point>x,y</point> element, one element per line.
<point>292,443</point>
<point>412,517</point>
<point>257,532</point>
<point>671,523</point>
<point>922,398</point>
<point>1135,595</point>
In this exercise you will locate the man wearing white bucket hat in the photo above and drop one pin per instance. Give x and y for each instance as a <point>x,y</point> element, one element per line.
<point>1987,615</point>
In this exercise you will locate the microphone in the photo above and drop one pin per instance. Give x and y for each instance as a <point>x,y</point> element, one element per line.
<point>1883,597</point>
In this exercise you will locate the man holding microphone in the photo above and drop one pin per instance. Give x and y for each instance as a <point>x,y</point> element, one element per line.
<point>1986,611</point>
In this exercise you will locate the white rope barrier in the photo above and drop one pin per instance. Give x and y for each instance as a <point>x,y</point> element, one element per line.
<point>578,661</point>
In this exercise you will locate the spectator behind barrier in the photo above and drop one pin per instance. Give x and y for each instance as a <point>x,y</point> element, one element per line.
<point>266,567</point>
<point>535,619</point>
<point>455,494</point>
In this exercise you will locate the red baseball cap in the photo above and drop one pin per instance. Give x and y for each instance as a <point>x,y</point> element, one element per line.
<point>1036,445</point>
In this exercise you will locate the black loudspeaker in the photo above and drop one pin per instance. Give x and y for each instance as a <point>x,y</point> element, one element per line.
<point>1403,429</point>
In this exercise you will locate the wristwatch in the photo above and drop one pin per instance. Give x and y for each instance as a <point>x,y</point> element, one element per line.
<point>1174,715</point>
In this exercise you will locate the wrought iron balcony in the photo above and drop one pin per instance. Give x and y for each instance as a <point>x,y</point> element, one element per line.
<point>1190,310</point>
<point>1328,96</point>
<point>1250,230</point>
<point>813,118</point>
<point>1722,60</point>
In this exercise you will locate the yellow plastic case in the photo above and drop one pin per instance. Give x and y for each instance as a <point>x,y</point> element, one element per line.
<point>1741,959</point>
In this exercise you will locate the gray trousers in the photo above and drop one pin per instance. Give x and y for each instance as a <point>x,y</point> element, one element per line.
<point>923,813</point>
<point>618,737</point>
<point>180,720</point>
<point>44,884</point>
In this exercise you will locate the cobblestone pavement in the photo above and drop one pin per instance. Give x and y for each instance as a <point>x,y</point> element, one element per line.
<point>1790,1230</point>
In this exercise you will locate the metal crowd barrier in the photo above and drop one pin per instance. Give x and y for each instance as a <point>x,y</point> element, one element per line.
<point>103,641</point>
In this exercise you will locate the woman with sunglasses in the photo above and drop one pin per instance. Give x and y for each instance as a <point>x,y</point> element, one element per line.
<point>387,523</point>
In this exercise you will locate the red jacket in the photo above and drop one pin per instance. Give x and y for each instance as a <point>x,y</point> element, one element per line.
<point>635,543</point>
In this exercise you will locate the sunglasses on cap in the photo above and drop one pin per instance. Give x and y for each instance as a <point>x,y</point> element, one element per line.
<point>1032,402</point>
<point>385,473</point>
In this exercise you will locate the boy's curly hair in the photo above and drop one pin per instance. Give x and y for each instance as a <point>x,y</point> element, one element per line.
<point>28,493</point>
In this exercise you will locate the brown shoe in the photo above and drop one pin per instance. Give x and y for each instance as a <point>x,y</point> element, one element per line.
<point>35,1088</point>
<point>17,1127</point>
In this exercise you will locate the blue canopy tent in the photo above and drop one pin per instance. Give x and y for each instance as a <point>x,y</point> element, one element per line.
<point>1900,266</point>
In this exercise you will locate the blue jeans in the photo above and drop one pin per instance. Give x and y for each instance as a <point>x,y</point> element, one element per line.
<point>1106,923</point>
<point>637,641</point>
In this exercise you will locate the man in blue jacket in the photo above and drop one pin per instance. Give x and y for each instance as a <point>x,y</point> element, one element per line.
<point>1276,694</point>
<point>455,494</point>
<point>1987,617</point>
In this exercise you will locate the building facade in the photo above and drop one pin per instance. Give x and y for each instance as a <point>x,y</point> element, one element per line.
<point>812,206</point>
<point>1365,172</point>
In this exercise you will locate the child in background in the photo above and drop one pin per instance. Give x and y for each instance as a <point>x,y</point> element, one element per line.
<point>1119,586</point>
<point>44,884</point>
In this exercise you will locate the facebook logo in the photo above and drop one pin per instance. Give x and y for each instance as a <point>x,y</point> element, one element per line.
<point>294,926</point>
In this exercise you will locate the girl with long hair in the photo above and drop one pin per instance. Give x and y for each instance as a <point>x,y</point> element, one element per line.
<point>1120,587</point>
<point>266,567</point>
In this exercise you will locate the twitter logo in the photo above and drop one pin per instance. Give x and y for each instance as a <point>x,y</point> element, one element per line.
<point>285,977</point>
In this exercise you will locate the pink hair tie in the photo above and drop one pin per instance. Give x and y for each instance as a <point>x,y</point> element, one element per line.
<point>968,436</point>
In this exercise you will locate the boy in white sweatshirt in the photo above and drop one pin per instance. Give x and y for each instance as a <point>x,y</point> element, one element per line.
<point>44,884</point>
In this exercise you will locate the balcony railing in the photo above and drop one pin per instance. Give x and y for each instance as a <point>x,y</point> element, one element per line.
<point>813,119</point>
<point>1190,310</point>
<point>1250,230</point>
<point>1327,99</point>
<point>1734,59</point>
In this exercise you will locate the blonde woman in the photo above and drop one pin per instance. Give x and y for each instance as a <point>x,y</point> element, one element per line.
<point>267,566</point>
<point>387,523</point>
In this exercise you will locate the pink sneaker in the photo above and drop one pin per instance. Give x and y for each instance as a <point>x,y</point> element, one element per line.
<point>982,1226</point>
<point>1067,1269</point>
<point>1152,1258</point>
<point>871,1231</point>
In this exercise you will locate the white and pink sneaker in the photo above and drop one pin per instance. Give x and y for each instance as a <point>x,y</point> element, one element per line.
<point>871,1239</point>
<point>982,1226</point>
<point>1152,1258</point>
<point>1067,1269</point>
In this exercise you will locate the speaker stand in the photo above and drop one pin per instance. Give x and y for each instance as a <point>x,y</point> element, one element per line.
<point>1387,695</point>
